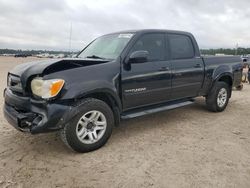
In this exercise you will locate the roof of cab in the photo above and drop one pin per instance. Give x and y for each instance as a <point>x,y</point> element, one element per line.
<point>153,30</point>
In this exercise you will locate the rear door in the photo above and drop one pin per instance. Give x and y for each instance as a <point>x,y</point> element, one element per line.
<point>188,70</point>
<point>150,82</point>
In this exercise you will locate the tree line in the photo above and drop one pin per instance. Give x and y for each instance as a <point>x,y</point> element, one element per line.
<point>226,51</point>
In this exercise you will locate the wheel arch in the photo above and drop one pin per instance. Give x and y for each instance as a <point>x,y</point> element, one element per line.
<point>227,78</point>
<point>109,99</point>
<point>223,73</point>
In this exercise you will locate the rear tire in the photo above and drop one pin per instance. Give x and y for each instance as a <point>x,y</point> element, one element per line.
<point>91,128</point>
<point>218,97</point>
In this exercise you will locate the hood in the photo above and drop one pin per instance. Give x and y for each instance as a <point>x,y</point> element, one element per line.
<point>36,67</point>
<point>26,70</point>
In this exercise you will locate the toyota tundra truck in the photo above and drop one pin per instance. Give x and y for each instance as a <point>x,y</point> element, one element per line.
<point>117,76</point>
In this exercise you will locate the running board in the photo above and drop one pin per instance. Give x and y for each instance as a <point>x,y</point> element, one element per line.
<point>137,113</point>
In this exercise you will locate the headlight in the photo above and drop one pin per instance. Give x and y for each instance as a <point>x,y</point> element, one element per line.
<point>46,88</point>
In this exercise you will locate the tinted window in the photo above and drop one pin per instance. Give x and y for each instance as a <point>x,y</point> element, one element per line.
<point>154,44</point>
<point>181,46</point>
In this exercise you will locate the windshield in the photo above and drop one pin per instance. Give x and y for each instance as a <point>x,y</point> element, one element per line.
<point>106,47</point>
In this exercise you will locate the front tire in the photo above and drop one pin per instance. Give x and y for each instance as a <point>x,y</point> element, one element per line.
<point>91,128</point>
<point>218,97</point>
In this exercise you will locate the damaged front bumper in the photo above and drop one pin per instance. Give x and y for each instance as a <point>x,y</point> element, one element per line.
<point>35,116</point>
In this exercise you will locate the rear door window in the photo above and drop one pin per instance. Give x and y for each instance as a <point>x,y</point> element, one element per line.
<point>181,46</point>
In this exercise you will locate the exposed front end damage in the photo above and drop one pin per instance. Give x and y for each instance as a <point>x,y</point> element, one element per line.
<point>34,116</point>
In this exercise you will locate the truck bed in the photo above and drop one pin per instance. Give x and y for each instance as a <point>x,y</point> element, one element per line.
<point>219,64</point>
<point>220,60</point>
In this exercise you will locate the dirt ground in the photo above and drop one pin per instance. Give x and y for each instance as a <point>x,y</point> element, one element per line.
<point>185,147</point>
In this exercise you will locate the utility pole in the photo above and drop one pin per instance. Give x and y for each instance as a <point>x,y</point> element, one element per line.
<point>70,37</point>
<point>236,49</point>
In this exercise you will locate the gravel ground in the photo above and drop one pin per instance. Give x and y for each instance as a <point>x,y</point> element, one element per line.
<point>185,147</point>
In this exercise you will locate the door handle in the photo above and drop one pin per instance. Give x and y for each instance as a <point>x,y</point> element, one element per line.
<point>198,65</point>
<point>164,69</point>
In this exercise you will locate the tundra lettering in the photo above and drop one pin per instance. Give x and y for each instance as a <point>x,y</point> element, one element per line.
<point>135,90</point>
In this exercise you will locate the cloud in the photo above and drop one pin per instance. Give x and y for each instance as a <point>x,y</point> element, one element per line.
<point>45,24</point>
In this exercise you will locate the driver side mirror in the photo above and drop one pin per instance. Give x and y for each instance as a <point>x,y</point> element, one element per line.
<point>138,57</point>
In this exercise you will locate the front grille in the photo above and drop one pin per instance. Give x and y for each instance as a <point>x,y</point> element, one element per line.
<point>15,85</point>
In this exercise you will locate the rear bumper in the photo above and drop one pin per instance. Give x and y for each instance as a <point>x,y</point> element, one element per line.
<point>26,114</point>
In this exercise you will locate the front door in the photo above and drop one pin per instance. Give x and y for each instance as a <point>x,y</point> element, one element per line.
<point>150,82</point>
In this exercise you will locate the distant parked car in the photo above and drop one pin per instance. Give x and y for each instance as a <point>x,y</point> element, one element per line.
<point>20,55</point>
<point>10,55</point>
<point>44,55</point>
<point>244,58</point>
<point>60,56</point>
<point>51,56</point>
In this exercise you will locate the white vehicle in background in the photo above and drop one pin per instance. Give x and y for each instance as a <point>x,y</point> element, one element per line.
<point>60,56</point>
<point>47,55</point>
<point>244,58</point>
<point>8,55</point>
<point>44,55</point>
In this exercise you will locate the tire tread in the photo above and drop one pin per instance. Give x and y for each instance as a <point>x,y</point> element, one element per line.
<point>81,105</point>
<point>211,99</point>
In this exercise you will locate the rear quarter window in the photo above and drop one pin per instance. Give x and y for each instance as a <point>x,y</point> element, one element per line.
<point>181,46</point>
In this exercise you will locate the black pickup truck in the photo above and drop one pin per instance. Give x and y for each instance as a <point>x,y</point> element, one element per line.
<point>117,76</point>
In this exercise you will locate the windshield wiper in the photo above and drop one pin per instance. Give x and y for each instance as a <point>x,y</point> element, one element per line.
<point>95,57</point>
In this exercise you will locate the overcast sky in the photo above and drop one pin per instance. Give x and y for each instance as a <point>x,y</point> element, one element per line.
<point>45,24</point>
